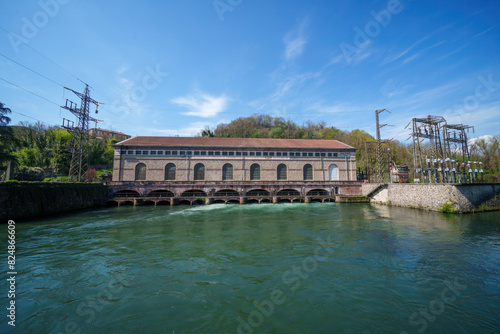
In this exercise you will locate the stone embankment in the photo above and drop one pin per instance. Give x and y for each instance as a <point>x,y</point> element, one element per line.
<point>453,198</point>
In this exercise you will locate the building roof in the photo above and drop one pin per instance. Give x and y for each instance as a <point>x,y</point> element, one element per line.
<point>233,142</point>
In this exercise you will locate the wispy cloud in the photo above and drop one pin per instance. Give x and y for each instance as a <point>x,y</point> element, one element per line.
<point>203,104</point>
<point>405,51</point>
<point>192,129</point>
<point>336,58</point>
<point>484,32</point>
<point>295,42</point>
<point>286,93</point>
<point>122,69</point>
<point>457,50</point>
<point>338,107</point>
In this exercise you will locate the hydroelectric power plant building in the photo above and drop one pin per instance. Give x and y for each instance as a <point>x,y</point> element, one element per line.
<point>173,170</point>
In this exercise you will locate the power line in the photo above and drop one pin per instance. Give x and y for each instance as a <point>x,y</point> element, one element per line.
<point>36,119</point>
<point>27,90</point>
<point>26,67</point>
<point>44,56</point>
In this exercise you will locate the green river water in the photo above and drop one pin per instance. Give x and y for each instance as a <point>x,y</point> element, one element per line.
<point>287,268</point>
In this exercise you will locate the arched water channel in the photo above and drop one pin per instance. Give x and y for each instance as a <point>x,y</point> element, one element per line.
<point>288,268</point>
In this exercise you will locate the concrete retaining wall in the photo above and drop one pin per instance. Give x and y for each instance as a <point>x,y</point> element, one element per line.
<point>23,200</point>
<point>438,197</point>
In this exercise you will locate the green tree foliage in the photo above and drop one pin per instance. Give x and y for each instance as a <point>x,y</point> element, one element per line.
<point>7,138</point>
<point>488,152</point>
<point>62,159</point>
<point>39,145</point>
<point>265,126</point>
<point>207,132</point>
<point>27,156</point>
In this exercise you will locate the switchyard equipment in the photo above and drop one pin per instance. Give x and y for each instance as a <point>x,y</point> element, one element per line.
<point>81,141</point>
<point>435,160</point>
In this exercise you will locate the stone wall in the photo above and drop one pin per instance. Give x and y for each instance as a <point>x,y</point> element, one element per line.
<point>438,197</point>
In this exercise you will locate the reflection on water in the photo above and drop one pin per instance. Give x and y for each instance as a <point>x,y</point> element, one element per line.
<point>288,268</point>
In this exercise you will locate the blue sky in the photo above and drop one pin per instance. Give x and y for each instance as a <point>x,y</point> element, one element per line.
<point>173,67</point>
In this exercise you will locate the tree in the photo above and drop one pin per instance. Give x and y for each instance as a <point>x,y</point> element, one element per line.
<point>488,151</point>
<point>62,159</point>
<point>7,139</point>
<point>207,132</point>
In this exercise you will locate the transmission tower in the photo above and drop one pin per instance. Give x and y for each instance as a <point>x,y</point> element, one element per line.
<point>379,170</point>
<point>81,145</point>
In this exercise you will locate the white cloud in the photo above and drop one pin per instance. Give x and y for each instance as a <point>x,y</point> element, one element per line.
<point>295,42</point>
<point>294,48</point>
<point>122,69</point>
<point>484,32</point>
<point>287,93</point>
<point>336,59</point>
<point>408,49</point>
<point>203,105</point>
<point>338,107</point>
<point>190,130</point>
<point>487,138</point>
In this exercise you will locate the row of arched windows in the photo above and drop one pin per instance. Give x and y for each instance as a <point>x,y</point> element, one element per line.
<point>227,172</point>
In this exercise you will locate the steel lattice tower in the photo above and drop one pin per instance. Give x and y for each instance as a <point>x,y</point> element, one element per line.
<point>81,145</point>
<point>379,170</point>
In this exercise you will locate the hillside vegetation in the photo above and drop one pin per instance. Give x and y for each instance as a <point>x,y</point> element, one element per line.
<point>265,126</point>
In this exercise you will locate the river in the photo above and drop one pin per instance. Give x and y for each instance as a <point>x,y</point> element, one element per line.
<point>287,268</point>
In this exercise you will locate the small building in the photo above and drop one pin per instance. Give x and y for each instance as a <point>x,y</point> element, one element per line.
<point>215,160</point>
<point>108,134</point>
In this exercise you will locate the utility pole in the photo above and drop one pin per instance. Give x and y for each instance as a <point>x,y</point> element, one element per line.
<point>380,164</point>
<point>81,142</point>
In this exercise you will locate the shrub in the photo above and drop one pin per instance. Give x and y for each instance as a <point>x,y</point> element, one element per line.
<point>24,173</point>
<point>90,175</point>
<point>448,207</point>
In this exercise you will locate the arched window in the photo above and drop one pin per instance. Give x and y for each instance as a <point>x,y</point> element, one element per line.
<point>333,172</point>
<point>170,172</point>
<point>308,172</point>
<point>255,172</point>
<point>227,172</point>
<point>282,172</point>
<point>199,172</point>
<point>140,172</point>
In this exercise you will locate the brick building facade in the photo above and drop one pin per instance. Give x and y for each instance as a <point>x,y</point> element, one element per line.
<point>206,159</point>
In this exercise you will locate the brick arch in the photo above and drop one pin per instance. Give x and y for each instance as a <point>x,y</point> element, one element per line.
<point>318,192</point>
<point>307,172</point>
<point>126,193</point>
<point>140,171</point>
<point>258,192</point>
<point>255,172</point>
<point>170,171</point>
<point>227,172</point>
<point>194,193</point>
<point>288,192</point>
<point>199,172</point>
<point>282,172</point>
<point>227,192</point>
<point>160,193</point>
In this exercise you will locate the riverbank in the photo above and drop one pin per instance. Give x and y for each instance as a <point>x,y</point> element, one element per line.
<point>25,200</point>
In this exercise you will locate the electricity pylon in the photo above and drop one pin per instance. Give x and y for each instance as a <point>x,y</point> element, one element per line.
<point>379,171</point>
<point>81,142</point>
